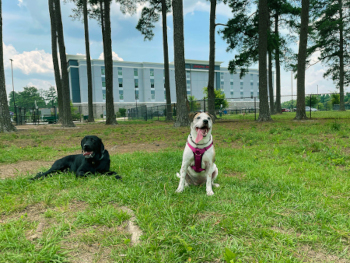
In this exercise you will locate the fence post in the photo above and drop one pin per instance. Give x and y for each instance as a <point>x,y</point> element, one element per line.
<point>310,106</point>
<point>255,108</point>
<point>204,104</point>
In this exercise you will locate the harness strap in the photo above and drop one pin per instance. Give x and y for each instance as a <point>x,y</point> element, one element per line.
<point>198,155</point>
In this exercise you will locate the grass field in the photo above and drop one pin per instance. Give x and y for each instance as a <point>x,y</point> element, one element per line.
<point>283,195</point>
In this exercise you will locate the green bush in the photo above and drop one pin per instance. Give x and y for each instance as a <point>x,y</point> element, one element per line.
<point>122,112</point>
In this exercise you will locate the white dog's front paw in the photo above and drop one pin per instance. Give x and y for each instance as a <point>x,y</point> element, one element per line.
<point>210,192</point>
<point>179,189</point>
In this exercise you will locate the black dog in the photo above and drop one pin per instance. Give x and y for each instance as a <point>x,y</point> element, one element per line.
<point>94,159</point>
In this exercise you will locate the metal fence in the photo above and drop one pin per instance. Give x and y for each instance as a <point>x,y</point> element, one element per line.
<point>240,105</point>
<point>22,115</point>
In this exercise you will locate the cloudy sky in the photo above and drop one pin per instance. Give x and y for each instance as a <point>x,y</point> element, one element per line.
<point>26,35</point>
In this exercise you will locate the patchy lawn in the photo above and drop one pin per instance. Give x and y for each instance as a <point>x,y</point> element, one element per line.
<point>283,195</point>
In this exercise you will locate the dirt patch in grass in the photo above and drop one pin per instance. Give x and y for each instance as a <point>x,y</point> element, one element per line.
<point>85,244</point>
<point>136,147</point>
<point>237,175</point>
<point>307,253</point>
<point>310,255</point>
<point>20,168</point>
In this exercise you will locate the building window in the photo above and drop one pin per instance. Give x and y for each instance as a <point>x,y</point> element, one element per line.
<point>188,75</point>
<point>104,94</point>
<point>251,94</point>
<point>257,94</point>
<point>103,84</point>
<point>153,94</point>
<point>241,83</point>
<point>241,94</point>
<point>120,71</point>
<point>121,95</point>
<point>222,75</point>
<point>222,85</point>
<point>251,76</point>
<point>103,71</point>
<point>136,81</point>
<point>151,72</point>
<point>152,83</point>
<point>120,80</point>
<point>136,94</point>
<point>188,92</point>
<point>251,83</point>
<point>136,72</point>
<point>232,93</point>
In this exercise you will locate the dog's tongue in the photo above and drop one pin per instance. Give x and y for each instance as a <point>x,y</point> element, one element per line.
<point>87,153</point>
<point>199,135</point>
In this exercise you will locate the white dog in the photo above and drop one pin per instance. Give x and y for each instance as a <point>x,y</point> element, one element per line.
<point>198,165</point>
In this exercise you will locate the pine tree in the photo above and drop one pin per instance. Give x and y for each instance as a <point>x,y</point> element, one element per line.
<point>149,16</point>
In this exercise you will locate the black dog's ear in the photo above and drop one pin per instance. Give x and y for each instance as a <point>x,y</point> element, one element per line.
<point>83,142</point>
<point>192,114</point>
<point>102,146</point>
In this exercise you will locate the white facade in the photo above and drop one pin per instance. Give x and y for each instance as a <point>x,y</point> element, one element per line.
<point>143,82</point>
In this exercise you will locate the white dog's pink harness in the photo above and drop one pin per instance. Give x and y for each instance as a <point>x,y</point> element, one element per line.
<point>198,155</point>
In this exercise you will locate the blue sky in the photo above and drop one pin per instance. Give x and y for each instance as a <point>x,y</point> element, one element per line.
<point>27,40</point>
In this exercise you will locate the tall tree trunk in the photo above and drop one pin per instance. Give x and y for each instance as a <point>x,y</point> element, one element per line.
<point>301,114</point>
<point>211,93</point>
<point>278,69</point>
<point>169,114</point>
<point>56,66</point>
<point>88,62</point>
<point>272,106</point>
<point>110,113</point>
<point>5,118</point>
<point>264,113</point>
<point>179,59</point>
<point>341,56</point>
<point>67,116</point>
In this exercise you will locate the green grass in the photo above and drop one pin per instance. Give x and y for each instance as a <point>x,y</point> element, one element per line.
<point>284,190</point>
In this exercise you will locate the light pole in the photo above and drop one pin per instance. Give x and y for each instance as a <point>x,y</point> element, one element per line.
<point>13,88</point>
<point>292,88</point>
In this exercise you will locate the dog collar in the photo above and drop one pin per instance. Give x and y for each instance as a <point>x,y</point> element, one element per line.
<point>198,155</point>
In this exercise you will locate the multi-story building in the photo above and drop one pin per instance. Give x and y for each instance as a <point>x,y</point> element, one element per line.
<point>143,82</point>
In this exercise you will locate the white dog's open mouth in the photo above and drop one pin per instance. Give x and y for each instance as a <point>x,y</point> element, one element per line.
<point>201,132</point>
<point>88,154</point>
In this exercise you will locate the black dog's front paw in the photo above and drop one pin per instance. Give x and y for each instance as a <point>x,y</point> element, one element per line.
<point>118,177</point>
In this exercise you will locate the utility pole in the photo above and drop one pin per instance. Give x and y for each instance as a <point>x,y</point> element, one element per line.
<point>13,88</point>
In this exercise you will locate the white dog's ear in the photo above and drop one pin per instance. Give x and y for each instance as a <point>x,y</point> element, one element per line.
<point>191,115</point>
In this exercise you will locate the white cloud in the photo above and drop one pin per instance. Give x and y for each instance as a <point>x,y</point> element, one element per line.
<point>35,61</point>
<point>115,56</point>
<point>40,84</point>
<point>192,6</point>
<point>20,3</point>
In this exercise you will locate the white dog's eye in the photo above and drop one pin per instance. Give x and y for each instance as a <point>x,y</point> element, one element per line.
<point>208,118</point>
<point>198,118</point>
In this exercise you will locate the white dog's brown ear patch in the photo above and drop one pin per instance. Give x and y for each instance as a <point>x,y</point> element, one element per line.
<point>191,115</point>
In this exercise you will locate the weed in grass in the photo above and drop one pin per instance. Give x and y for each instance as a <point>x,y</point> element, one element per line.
<point>335,126</point>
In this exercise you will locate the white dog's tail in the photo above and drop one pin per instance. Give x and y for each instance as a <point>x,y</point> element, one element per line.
<point>177,175</point>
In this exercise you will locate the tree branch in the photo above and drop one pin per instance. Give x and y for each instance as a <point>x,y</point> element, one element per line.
<point>220,24</point>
